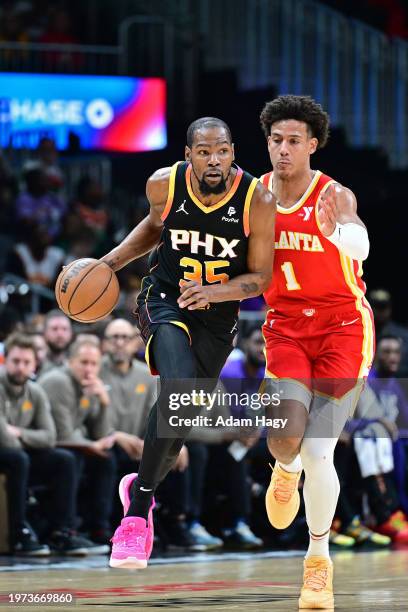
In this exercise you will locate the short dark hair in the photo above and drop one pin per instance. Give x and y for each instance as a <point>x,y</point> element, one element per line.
<point>19,340</point>
<point>206,122</point>
<point>53,314</point>
<point>251,328</point>
<point>389,337</point>
<point>300,108</point>
<point>89,340</point>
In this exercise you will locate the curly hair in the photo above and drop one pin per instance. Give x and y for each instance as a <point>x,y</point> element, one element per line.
<point>300,108</point>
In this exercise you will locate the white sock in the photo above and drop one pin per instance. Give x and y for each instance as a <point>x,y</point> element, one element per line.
<point>318,546</point>
<point>294,466</point>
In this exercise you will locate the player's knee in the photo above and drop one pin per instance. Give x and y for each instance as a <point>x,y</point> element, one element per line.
<point>315,453</point>
<point>283,449</point>
<point>172,353</point>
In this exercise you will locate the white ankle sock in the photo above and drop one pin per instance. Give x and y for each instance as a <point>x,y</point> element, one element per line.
<point>294,466</point>
<point>318,546</point>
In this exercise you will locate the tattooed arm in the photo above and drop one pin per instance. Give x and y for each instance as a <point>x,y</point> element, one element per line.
<point>146,234</point>
<point>261,246</point>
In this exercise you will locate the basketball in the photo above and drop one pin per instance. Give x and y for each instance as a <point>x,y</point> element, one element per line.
<point>87,290</point>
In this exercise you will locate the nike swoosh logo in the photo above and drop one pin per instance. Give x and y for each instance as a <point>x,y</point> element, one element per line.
<point>348,322</point>
<point>147,490</point>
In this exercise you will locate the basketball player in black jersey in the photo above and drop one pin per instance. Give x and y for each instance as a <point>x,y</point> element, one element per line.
<point>211,226</point>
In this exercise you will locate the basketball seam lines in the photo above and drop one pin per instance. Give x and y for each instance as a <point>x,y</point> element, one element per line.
<point>82,279</point>
<point>96,299</point>
<point>102,316</point>
<point>57,292</point>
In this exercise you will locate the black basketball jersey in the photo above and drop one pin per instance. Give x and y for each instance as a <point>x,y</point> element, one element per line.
<point>207,244</point>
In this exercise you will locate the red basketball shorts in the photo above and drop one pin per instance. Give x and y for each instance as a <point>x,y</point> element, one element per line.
<point>326,351</point>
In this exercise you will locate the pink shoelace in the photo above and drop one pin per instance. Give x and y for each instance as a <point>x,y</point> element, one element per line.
<point>126,536</point>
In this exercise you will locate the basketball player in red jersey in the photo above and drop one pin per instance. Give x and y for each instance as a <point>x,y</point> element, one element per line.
<point>318,330</point>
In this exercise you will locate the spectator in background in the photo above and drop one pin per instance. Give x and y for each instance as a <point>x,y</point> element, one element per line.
<point>58,336</point>
<point>27,435</point>
<point>36,260</point>
<point>37,205</point>
<point>374,432</point>
<point>40,346</point>
<point>369,439</point>
<point>90,206</point>
<point>382,379</point>
<point>251,364</point>
<point>34,323</point>
<point>391,393</point>
<point>132,390</point>
<point>82,244</point>
<point>348,528</point>
<point>80,406</point>
<point>46,157</point>
<point>381,303</point>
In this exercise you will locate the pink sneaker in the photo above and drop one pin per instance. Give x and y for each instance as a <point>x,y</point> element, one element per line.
<point>129,544</point>
<point>124,494</point>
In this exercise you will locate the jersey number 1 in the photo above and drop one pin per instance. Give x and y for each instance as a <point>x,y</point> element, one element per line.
<point>291,282</point>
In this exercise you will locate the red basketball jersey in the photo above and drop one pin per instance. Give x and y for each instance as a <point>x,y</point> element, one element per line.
<point>309,272</point>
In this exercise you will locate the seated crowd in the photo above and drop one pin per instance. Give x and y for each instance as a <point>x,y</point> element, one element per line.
<point>73,409</point>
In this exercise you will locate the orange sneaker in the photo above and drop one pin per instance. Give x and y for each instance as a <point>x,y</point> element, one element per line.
<point>282,498</point>
<point>317,589</point>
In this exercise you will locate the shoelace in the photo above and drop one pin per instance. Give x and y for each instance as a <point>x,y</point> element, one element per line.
<point>315,578</point>
<point>126,536</point>
<point>283,489</point>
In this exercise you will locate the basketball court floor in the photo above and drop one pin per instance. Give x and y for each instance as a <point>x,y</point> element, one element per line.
<point>243,581</point>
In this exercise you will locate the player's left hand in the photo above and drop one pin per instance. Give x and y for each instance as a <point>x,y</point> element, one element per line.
<point>194,296</point>
<point>327,211</point>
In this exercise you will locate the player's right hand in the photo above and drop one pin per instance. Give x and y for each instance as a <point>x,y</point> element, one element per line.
<point>194,296</point>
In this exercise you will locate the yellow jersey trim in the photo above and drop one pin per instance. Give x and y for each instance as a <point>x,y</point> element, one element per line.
<point>305,196</point>
<point>225,199</point>
<point>247,205</point>
<point>170,195</point>
<point>147,349</point>
<point>367,349</point>
<point>339,400</point>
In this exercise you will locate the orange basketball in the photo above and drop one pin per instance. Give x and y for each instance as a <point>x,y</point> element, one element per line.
<point>87,290</point>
